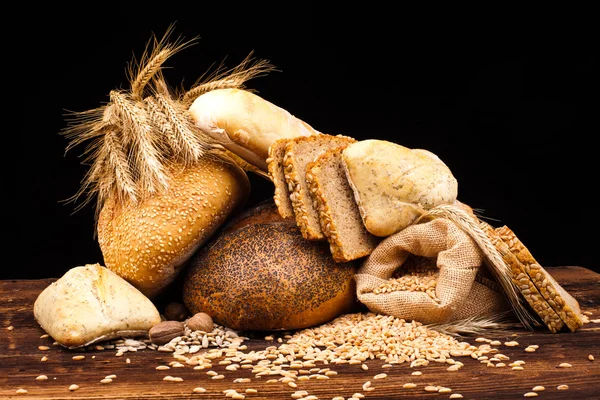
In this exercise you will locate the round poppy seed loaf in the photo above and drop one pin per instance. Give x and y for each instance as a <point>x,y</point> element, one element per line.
<point>266,277</point>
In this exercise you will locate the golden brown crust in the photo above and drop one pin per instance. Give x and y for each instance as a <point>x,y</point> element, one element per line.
<point>268,277</point>
<point>562,302</point>
<point>147,243</point>
<point>522,280</point>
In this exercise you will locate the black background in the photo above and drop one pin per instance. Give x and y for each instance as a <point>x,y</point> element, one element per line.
<point>507,103</point>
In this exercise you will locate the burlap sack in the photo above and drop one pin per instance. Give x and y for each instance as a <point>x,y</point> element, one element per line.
<point>462,289</point>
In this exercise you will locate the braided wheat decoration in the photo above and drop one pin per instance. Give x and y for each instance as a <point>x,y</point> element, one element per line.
<point>140,132</point>
<point>498,266</point>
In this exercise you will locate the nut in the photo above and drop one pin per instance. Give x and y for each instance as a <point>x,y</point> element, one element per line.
<point>201,322</point>
<point>175,311</point>
<point>165,331</point>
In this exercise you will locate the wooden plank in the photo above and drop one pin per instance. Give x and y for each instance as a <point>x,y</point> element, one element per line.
<point>20,362</point>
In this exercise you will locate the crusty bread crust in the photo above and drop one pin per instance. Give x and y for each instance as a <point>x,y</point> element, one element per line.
<point>266,276</point>
<point>559,299</point>
<point>148,242</point>
<point>524,283</point>
<point>294,165</point>
<point>343,247</point>
<point>276,172</point>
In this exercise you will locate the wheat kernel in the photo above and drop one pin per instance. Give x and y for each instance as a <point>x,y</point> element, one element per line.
<point>106,380</point>
<point>238,396</point>
<point>565,365</point>
<point>41,378</point>
<point>530,394</point>
<point>417,373</point>
<point>199,390</point>
<point>591,357</point>
<point>456,396</point>
<point>251,391</point>
<point>409,385</point>
<point>76,358</point>
<point>73,387</point>
<point>562,387</point>
<point>43,348</point>
<point>431,388</point>
<point>518,368</point>
<point>21,391</point>
<point>444,390</point>
<point>44,359</point>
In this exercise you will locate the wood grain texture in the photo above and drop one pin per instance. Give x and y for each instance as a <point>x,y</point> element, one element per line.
<point>20,362</point>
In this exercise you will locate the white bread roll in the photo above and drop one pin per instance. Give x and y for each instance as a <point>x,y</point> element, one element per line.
<point>245,123</point>
<point>260,274</point>
<point>147,243</point>
<point>393,185</point>
<point>89,304</point>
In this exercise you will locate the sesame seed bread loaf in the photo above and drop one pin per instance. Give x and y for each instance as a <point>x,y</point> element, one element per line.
<point>565,305</point>
<point>89,304</point>
<point>339,216</point>
<point>277,175</point>
<point>393,185</point>
<point>263,276</point>
<point>147,243</point>
<point>298,153</point>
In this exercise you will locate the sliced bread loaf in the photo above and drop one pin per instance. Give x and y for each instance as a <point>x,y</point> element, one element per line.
<point>298,153</point>
<point>338,212</point>
<point>277,175</point>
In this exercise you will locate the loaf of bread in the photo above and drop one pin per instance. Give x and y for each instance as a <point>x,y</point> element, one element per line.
<point>147,243</point>
<point>89,304</point>
<point>394,185</point>
<point>338,212</point>
<point>263,275</point>
<point>245,123</point>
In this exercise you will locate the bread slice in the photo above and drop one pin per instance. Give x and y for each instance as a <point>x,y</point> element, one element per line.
<point>338,212</point>
<point>277,175</point>
<point>298,153</point>
<point>559,299</point>
<point>521,279</point>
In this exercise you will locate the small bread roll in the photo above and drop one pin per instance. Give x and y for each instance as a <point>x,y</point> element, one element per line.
<point>89,304</point>
<point>147,243</point>
<point>264,276</point>
<point>394,185</point>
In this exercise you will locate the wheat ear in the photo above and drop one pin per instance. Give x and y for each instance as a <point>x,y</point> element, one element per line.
<point>498,266</point>
<point>139,137</point>
<point>152,60</point>
<point>493,324</point>
<point>235,78</point>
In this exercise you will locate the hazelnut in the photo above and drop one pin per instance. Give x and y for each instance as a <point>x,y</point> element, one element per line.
<point>165,331</point>
<point>201,322</point>
<point>175,311</point>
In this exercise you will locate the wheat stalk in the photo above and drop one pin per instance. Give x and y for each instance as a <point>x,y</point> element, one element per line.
<point>496,324</point>
<point>152,60</point>
<point>138,135</point>
<point>236,77</point>
<point>498,266</point>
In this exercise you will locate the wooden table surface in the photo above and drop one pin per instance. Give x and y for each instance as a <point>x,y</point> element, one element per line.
<point>20,362</point>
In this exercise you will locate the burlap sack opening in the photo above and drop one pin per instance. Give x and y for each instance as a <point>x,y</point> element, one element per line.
<point>463,289</point>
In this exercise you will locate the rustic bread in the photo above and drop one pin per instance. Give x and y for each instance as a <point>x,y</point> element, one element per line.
<point>266,276</point>
<point>89,304</point>
<point>523,282</point>
<point>559,299</point>
<point>245,123</point>
<point>147,243</point>
<point>393,185</point>
<point>277,175</point>
<point>338,212</point>
<point>298,153</point>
